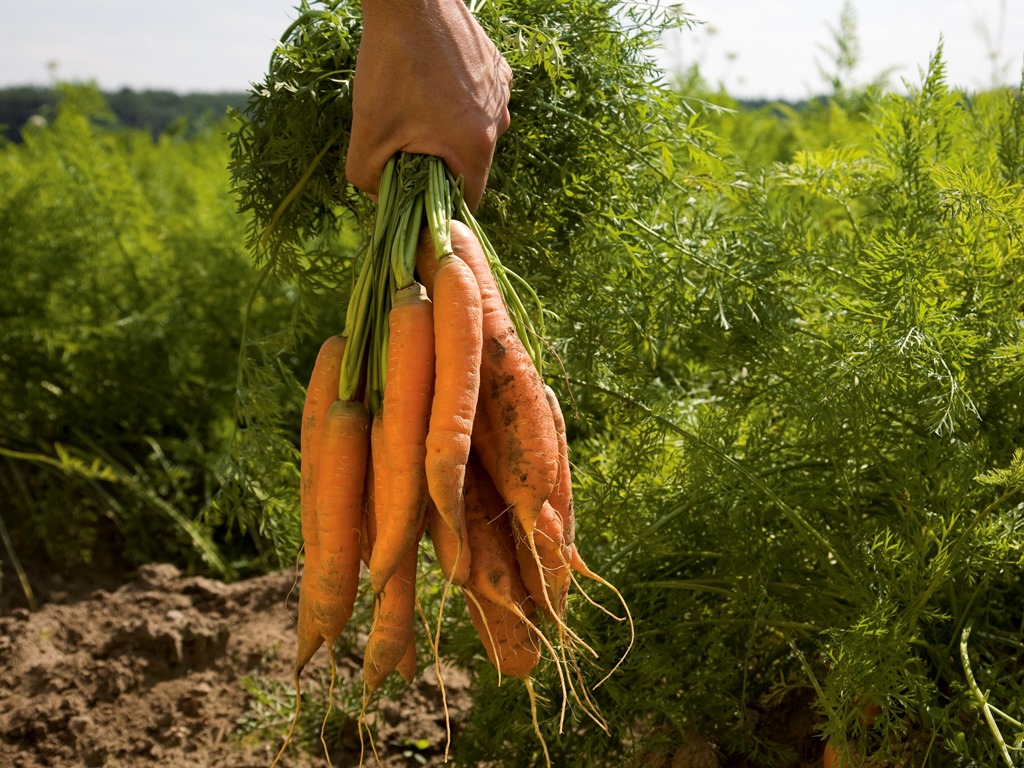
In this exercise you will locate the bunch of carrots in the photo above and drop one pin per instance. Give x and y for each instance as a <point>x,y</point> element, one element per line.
<point>428,418</point>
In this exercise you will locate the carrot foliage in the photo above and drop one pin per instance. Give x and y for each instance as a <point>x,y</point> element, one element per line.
<point>815,500</point>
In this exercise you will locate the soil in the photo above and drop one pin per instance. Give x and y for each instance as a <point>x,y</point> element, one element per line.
<point>152,671</point>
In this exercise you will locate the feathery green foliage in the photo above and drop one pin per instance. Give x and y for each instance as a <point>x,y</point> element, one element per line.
<point>817,495</point>
<point>123,282</point>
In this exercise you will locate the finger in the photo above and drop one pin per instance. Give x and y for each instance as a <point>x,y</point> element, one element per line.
<point>363,166</point>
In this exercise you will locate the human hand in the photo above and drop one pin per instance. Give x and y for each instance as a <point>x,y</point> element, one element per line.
<point>428,80</point>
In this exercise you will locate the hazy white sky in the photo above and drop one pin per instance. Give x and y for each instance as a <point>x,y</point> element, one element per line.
<point>773,48</point>
<point>766,48</point>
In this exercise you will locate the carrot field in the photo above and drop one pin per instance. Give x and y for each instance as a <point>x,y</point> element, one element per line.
<point>784,344</point>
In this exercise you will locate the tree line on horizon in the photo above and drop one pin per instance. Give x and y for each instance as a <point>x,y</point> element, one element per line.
<point>156,111</point>
<point>159,111</point>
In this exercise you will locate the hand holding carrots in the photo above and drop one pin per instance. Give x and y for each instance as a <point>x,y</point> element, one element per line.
<point>429,416</point>
<point>427,80</point>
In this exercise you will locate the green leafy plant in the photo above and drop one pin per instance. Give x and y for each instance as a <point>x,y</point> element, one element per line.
<point>793,504</point>
<point>124,278</point>
<point>271,709</point>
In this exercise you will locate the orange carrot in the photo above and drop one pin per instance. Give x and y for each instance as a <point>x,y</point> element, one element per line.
<point>344,451</point>
<point>391,635</point>
<point>547,577</point>
<point>407,397</point>
<point>509,640</point>
<point>309,636</point>
<point>458,341</point>
<point>519,424</point>
<point>393,623</point>
<point>452,551</point>
<point>377,484</point>
<point>498,600</point>
<point>485,446</point>
<point>321,392</point>
<point>845,755</point>
<point>494,571</point>
<point>369,516</point>
<point>834,756</point>
<point>407,665</point>
<point>561,494</point>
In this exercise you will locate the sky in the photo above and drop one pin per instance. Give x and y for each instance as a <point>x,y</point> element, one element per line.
<point>754,48</point>
<point>776,48</point>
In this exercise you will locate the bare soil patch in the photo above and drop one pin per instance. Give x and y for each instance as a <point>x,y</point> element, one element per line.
<point>151,672</point>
